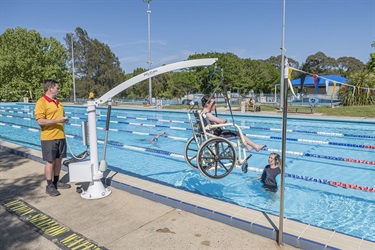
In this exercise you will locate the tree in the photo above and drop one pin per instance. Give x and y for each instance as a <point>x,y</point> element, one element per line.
<point>349,65</point>
<point>320,64</point>
<point>97,68</point>
<point>371,63</point>
<point>182,83</point>
<point>363,91</point>
<point>261,77</point>
<point>26,60</point>
<point>276,62</point>
<point>242,74</point>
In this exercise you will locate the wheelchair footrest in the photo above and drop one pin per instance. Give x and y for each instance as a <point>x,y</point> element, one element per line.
<point>245,165</point>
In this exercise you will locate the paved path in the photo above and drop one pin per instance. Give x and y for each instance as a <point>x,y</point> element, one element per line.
<point>30,219</point>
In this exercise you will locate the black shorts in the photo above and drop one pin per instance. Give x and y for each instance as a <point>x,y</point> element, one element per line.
<point>226,133</point>
<point>53,149</point>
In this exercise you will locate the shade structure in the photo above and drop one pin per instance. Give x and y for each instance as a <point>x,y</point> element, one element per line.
<point>309,80</point>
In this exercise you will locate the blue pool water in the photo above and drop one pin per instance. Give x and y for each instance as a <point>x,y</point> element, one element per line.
<point>317,152</point>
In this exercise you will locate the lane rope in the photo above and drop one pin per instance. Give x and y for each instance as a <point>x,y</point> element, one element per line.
<point>180,156</point>
<point>323,133</point>
<point>249,135</point>
<point>328,157</point>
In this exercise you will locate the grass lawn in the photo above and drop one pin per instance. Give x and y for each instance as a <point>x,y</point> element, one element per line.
<point>353,111</point>
<point>349,111</point>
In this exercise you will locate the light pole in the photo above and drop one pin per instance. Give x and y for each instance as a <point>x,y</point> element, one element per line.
<point>284,104</point>
<point>74,83</point>
<point>149,49</point>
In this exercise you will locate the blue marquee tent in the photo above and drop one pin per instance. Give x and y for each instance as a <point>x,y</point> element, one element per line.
<point>309,80</point>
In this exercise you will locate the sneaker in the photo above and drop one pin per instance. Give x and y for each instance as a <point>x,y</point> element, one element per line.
<point>62,185</point>
<point>51,190</point>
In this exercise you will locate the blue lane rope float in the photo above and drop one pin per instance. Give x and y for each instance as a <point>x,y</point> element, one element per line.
<point>313,141</point>
<point>250,135</point>
<point>264,149</point>
<point>298,153</point>
<point>180,156</point>
<point>244,127</point>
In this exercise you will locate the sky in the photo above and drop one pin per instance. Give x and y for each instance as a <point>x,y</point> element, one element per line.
<point>247,28</point>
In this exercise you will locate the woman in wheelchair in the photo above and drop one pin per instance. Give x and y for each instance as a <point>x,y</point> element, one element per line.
<point>209,105</point>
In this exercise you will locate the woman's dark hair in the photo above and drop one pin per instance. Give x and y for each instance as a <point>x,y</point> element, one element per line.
<point>205,99</point>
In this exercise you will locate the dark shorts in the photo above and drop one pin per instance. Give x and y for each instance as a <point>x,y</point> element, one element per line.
<point>226,133</point>
<point>53,149</point>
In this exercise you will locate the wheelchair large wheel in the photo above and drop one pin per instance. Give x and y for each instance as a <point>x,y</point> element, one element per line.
<point>216,158</point>
<point>191,151</point>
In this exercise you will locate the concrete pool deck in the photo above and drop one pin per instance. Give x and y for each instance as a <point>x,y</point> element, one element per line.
<point>146,216</point>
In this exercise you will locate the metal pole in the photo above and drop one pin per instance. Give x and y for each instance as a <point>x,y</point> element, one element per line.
<point>282,60</point>
<point>74,83</point>
<point>284,101</point>
<point>149,48</point>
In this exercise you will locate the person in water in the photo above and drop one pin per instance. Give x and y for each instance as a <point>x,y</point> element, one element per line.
<point>271,173</point>
<point>155,138</point>
<point>209,105</point>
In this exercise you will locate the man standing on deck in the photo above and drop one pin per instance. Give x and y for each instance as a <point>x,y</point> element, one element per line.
<point>49,114</point>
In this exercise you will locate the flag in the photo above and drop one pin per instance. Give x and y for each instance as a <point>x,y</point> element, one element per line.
<point>316,82</point>
<point>314,76</point>
<point>291,87</point>
<point>290,73</point>
<point>334,86</point>
<point>303,76</point>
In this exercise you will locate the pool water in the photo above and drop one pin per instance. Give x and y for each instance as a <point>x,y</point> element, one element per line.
<point>318,151</point>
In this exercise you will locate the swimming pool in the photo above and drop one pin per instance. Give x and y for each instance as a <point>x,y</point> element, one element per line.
<point>318,151</point>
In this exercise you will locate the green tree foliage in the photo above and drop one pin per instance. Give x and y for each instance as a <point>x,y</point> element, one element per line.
<point>96,66</point>
<point>320,64</point>
<point>182,83</point>
<point>371,63</point>
<point>243,75</point>
<point>347,65</point>
<point>360,95</point>
<point>26,60</point>
<point>260,76</point>
<point>276,62</point>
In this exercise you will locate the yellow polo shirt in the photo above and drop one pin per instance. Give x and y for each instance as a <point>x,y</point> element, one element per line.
<point>50,110</point>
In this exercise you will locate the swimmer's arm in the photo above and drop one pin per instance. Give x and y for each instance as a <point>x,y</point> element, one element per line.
<point>157,136</point>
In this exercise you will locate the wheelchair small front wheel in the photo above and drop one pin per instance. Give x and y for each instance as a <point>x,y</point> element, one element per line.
<point>191,151</point>
<point>216,158</point>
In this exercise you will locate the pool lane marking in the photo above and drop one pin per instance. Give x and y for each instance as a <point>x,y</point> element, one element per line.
<point>48,227</point>
<point>244,127</point>
<point>294,176</point>
<point>328,157</point>
<point>250,135</point>
<point>313,141</point>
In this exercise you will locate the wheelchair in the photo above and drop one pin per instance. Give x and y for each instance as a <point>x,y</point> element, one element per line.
<point>213,155</point>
